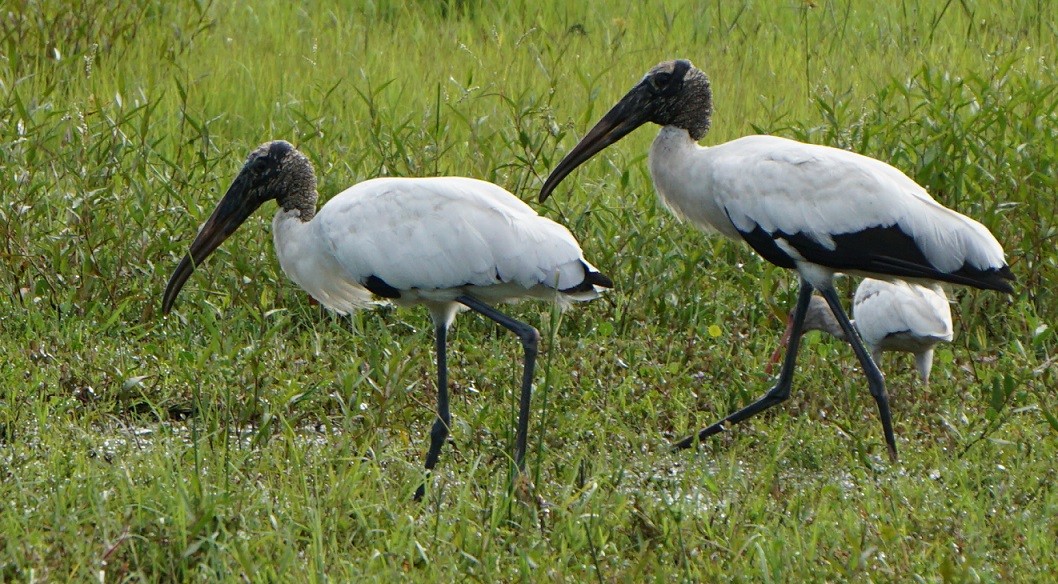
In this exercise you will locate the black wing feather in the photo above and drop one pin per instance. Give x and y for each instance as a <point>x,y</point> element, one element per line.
<point>379,287</point>
<point>886,251</point>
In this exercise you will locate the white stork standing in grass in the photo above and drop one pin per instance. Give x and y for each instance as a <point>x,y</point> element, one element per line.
<point>814,209</point>
<point>889,316</point>
<point>446,243</point>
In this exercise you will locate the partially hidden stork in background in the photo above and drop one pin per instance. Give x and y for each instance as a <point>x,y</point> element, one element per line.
<point>814,209</point>
<point>447,243</point>
<point>889,316</point>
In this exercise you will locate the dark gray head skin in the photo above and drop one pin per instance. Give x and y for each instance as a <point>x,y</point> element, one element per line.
<point>673,93</point>
<point>274,171</point>
<point>820,318</point>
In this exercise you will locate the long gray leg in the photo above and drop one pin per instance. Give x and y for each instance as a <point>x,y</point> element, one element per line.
<point>875,381</point>
<point>530,341</point>
<point>439,432</point>
<point>777,394</point>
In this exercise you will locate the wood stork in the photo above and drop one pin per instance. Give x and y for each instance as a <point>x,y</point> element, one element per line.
<point>810,208</point>
<point>889,316</point>
<point>446,243</point>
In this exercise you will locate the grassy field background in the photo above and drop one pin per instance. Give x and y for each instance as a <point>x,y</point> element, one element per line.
<point>251,436</point>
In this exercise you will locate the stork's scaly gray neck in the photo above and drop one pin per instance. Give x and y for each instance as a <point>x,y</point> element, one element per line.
<point>820,318</point>
<point>297,183</point>
<point>303,201</point>
<point>696,111</point>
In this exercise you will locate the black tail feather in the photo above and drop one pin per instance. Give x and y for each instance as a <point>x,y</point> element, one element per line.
<point>590,281</point>
<point>998,279</point>
<point>379,287</point>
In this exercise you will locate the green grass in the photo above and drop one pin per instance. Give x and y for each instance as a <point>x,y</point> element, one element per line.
<point>250,436</point>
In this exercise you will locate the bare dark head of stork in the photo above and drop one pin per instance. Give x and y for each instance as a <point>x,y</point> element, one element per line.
<point>447,243</point>
<point>818,318</point>
<point>806,207</point>
<point>275,171</point>
<point>673,93</point>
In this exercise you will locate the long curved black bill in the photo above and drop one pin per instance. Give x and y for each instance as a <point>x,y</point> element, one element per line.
<point>627,115</point>
<point>231,212</point>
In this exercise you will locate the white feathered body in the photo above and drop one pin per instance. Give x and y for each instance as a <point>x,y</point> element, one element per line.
<point>892,316</point>
<point>431,239</point>
<point>793,202</point>
<point>897,316</point>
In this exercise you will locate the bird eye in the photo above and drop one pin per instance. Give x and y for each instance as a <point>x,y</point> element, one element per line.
<point>661,80</point>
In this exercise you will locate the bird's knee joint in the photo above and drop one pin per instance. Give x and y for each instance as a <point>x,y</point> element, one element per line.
<point>779,394</point>
<point>440,430</point>
<point>876,382</point>
<point>531,340</point>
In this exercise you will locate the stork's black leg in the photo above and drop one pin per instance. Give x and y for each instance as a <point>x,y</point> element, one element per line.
<point>439,432</point>
<point>781,391</point>
<point>875,381</point>
<point>530,340</point>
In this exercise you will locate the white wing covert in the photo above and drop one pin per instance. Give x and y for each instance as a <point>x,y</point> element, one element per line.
<point>886,308</point>
<point>827,203</point>
<point>451,232</point>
